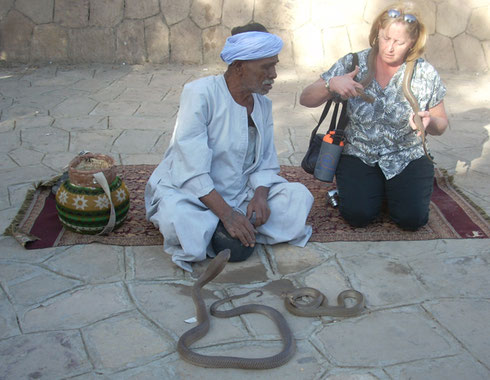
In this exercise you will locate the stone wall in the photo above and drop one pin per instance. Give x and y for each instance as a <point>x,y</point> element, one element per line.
<point>315,32</point>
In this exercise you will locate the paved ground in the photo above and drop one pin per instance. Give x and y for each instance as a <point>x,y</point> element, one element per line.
<point>109,312</point>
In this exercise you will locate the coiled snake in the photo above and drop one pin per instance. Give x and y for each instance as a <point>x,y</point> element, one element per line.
<point>318,304</point>
<point>199,331</point>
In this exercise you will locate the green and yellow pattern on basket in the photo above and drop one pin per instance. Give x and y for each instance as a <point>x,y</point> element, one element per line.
<point>86,209</point>
<point>82,201</point>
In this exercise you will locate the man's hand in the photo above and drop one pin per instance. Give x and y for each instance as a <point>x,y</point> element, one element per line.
<point>239,227</point>
<point>259,206</point>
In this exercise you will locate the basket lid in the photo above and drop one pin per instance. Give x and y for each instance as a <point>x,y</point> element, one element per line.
<point>82,168</point>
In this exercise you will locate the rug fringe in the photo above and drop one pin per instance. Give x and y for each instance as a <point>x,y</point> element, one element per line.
<point>480,210</point>
<point>13,228</point>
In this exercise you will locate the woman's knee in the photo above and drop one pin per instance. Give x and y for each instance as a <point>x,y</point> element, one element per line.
<point>410,220</point>
<point>409,195</point>
<point>358,216</point>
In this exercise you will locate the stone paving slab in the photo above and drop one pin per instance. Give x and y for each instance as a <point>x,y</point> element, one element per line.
<point>92,263</point>
<point>474,334</point>
<point>111,342</point>
<point>33,356</point>
<point>452,367</point>
<point>77,308</point>
<point>8,318</point>
<point>376,339</point>
<point>109,312</point>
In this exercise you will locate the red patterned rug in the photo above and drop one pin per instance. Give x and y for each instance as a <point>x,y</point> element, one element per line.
<point>451,217</point>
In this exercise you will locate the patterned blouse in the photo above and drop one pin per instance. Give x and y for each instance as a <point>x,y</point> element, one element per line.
<point>380,133</point>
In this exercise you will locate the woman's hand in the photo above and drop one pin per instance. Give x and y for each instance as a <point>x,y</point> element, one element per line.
<point>316,93</point>
<point>434,120</point>
<point>345,85</point>
<point>425,117</point>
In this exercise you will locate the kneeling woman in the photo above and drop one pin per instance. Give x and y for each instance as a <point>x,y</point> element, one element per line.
<point>384,156</point>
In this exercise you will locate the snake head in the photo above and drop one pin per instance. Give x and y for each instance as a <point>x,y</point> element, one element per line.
<point>224,255</point>
<point>214,268</point>
<point>287,296</point>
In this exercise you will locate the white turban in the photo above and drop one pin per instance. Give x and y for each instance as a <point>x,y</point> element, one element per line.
<point>251,45</point>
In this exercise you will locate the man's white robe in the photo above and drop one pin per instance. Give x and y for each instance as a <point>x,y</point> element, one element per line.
<point>207,151</point>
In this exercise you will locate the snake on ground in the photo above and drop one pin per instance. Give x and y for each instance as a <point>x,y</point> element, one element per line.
<point>317,305</point>
<point>199,331</point>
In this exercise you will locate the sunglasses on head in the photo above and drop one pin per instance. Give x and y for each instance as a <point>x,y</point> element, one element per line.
<point>395,13</point>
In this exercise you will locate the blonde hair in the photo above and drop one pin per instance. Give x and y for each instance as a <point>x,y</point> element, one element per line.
<point>416,30</point>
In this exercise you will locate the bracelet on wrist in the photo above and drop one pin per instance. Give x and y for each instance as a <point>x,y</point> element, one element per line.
<point>327,86</point>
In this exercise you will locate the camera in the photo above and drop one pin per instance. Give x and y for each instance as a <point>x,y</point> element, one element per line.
<point>333,197</point>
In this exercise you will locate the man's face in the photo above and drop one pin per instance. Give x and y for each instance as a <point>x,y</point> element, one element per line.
<point>258,75</point>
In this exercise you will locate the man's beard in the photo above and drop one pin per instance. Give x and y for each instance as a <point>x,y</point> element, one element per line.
<point>262,90</point>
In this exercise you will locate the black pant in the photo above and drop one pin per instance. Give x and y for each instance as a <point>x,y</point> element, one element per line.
<point>363,188</point>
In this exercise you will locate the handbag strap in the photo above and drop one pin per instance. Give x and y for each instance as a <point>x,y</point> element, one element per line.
<point>343,114</point>
<point>322,117</point>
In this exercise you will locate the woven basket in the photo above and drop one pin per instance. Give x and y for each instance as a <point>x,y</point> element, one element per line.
<point>82,203</point>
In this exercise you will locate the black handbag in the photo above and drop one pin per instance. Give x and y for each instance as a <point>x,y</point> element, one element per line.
<point>309,160</point>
